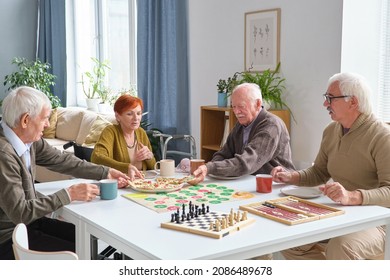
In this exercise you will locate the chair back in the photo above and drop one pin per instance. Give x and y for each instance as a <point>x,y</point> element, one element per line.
<point>22,251</point>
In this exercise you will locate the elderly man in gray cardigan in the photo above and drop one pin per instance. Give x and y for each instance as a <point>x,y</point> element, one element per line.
<point>257,143</point>
<point>26,113</point>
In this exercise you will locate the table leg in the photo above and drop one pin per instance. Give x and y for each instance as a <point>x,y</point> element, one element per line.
<point>387,242</point>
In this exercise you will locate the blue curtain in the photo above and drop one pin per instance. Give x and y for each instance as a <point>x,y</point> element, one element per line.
<point>163,64</point>
<point>52,42</point>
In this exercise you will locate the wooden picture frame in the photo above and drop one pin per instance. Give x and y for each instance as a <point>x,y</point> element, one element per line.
<point>262,40</point>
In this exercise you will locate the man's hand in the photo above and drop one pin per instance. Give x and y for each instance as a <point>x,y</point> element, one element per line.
<point>336,192</point>
<point>83,192</point>
<point>200,174</point>
<point>280,175</point>
<point>121,177</point>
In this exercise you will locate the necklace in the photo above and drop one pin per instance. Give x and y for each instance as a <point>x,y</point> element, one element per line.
<point>135,141</point>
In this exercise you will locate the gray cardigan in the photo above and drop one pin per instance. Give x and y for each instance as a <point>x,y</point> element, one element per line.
<point>268,146</point>
<point>19,201</point>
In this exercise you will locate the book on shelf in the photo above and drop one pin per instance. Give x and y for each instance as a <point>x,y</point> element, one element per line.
<point>226,131</point>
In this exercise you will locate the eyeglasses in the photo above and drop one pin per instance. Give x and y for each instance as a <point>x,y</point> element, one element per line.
<point>329,98</point>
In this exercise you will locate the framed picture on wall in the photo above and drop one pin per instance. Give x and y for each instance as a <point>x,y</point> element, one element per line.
<point>262,40</point>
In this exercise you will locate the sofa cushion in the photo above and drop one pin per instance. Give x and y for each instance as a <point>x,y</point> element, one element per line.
<point>68,123</point>
<point>96,129</point>
<point>86,123</point>
<point>50,132</point>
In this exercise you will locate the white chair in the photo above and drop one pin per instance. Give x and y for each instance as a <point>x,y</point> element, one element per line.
<point>23,252</point>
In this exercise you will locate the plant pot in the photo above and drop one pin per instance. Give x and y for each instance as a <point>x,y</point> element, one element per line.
<point>222,99</point>
<point>92,104</point>
<point>105,108</point>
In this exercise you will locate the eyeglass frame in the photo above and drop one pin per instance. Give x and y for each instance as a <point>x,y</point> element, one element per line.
<point>329,98</point>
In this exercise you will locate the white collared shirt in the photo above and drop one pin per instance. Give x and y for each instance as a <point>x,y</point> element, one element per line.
<point>20,148</point>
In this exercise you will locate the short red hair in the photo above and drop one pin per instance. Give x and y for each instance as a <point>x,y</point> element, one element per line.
<point>126,102</point>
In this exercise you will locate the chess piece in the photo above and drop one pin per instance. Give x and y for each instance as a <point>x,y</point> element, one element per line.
<point>231,219</point>
<point>238,217</point>
<point>223,222</point>
<point>217,225</point>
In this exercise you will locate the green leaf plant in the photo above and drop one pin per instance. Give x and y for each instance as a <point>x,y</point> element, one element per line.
<point>33,74</point>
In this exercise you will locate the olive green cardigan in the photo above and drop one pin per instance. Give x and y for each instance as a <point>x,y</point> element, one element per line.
<point>111,149</point>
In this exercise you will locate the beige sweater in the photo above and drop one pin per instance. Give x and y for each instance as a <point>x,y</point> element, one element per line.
<point>358,160</point>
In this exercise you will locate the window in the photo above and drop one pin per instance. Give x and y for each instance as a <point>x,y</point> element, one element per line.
<point>104,29</point>
<point>365,48</point>
<point>384,65</point>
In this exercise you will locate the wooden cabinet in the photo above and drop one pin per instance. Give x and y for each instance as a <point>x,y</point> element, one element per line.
<point>212,127</point>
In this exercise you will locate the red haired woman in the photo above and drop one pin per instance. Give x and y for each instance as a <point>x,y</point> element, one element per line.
<point>125,146</point>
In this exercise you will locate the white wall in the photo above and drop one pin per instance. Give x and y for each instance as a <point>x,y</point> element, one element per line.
<point>360,47</point>
<point>17,33</point>
<point>310,52</point>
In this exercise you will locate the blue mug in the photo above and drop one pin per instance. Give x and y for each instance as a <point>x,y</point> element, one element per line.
<point>108,189</point>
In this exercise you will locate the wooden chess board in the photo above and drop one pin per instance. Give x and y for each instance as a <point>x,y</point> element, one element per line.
<point>291,210</point>
<point>201,224</point>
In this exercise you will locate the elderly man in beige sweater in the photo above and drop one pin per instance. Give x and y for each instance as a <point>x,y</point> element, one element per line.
<point>355,155</point>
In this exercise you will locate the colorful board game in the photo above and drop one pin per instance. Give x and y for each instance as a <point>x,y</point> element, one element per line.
<point>202,193</point>
<point>291,210</point>
<point>198,220</point>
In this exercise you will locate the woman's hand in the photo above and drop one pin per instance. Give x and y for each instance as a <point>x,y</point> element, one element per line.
<point>143,153</point>
<point>133,172</point>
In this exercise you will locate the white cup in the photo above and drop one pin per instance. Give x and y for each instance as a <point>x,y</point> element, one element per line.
<point>167,167</point>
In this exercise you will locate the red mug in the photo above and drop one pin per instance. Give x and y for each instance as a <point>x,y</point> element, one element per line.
<point>263,183</point>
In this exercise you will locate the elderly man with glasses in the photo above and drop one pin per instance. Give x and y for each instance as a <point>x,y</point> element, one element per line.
<point>353,163</point>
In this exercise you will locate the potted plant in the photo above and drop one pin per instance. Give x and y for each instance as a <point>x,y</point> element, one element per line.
<point>33,74</point>
<point>224,89</point>
<point>107,97</point>
<point>271,85</point>
<point>93,83</point>
<point>222,95</point>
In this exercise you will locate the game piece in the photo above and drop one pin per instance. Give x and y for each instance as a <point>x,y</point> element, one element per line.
<point>211,224</point>
<point>217,225</point>
<point>223,222</point>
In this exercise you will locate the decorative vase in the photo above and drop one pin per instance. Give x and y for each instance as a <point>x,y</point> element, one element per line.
<point>92,104</point>
<point>222,99</point>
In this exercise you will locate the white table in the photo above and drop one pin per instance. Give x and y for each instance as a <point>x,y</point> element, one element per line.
<point>135,230</point>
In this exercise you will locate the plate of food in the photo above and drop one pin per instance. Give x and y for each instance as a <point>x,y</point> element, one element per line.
<point>220,177</point>
<point>301,192</point>
<point>160,184</point>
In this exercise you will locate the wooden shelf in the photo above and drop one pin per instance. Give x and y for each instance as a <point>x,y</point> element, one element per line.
<point>212,127</point>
